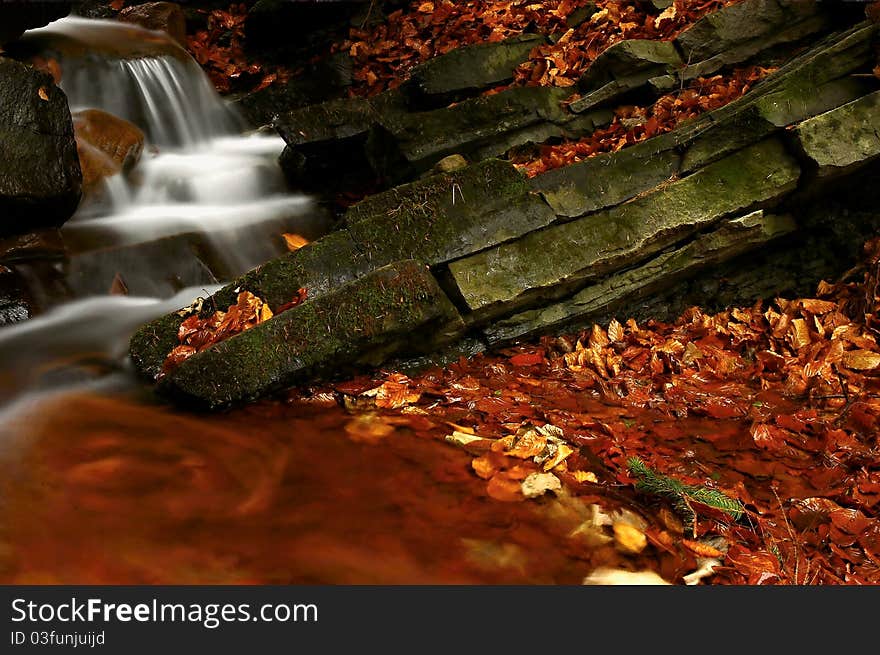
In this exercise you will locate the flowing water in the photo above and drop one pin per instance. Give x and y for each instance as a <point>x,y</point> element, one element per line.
<point>100,482</point>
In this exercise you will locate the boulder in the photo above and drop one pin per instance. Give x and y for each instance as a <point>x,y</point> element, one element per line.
<point>16,17</point>
<point>40,175</point>
<point>106,145</point>
<point>167,17</point>
<point>398,309</point>
<point>553,262</point>
<point>843,139</point>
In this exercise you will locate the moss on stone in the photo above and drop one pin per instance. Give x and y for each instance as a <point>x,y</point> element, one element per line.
<point>398,308</point>
<point>548,263</point>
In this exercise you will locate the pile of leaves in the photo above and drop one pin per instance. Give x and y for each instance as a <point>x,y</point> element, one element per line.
<point>632,124</point>
<point>196,333</point>
<point>384,53</point>
<point>763,420</point>
<point>219,49</point>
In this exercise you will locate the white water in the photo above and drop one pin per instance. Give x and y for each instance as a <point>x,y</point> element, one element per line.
<point>200,173</point>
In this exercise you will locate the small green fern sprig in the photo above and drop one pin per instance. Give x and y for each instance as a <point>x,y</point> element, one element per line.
<point>680,493</point>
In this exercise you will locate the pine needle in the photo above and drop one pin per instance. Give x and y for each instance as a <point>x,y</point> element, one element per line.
<point>681,494</point>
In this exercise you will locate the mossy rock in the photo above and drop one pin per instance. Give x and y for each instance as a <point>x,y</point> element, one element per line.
<point>628,58</point>
<point>552,262</point>
<point>617,292</point>
<point>842,139</point>
<point>398,309</point>
<point>319,267</point>
<point>605,180</point>
<point>447,216</point>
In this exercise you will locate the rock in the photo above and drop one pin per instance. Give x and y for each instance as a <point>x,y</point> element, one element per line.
<point>44,244</point>
<point>624,67</point>
<point>158,268</point>
<point>17,17</point>
<point>167,17</point>
<point>741,30</point>
<point>319,267</point>
<point>628,58</point>
<point>605,180</point>
<point>623,290</point>
<point>447,216</point>
<point>557,260</point>
<point>842,139</point>
<point>450,164</point>
<point>467,70</point>
<point>40,176</point>
<point>398,308</point>
<point>15,305</point>
<point>477,125</point>
<point>106,145</point>
<point>334,144</point>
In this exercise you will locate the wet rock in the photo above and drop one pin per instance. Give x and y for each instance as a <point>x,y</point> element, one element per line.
<point>842,139</point>
<point>447,216</point>
<point>395,309</point>
<point>552,262</point>
<point>15,305</point>
<point>18,16</point>
<point>465,71</point>
<point>40,176</point>
<point>619,291</point>
<point>167,17</point>
<point>41,245</point>
<point>157,269</point>
<point>605,180</point>
<point>106,145</point>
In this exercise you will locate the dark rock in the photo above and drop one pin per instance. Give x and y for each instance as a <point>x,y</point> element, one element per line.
<point>465,71</point>
<point>17,17</point>
<point>272,23</point>
<point>554,261</point>
<point>398,309</point>
<point>40,176</point>
<point>45,244</point>
<point>167,17</point>
<point>15,304</point>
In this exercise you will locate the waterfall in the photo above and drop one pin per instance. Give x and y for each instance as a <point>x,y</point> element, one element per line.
<point>200,173</point>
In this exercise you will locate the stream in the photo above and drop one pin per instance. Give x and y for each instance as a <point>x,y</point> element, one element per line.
<point>102,483</point>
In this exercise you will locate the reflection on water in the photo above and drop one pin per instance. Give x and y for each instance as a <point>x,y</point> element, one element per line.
<point>102,489</point>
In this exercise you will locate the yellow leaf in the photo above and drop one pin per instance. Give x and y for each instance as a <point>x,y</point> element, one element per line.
<point>265,313</point>
<point>585,476</point>
<point>861,360</point>
<point>629,539</point>
<point>294,241</point>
